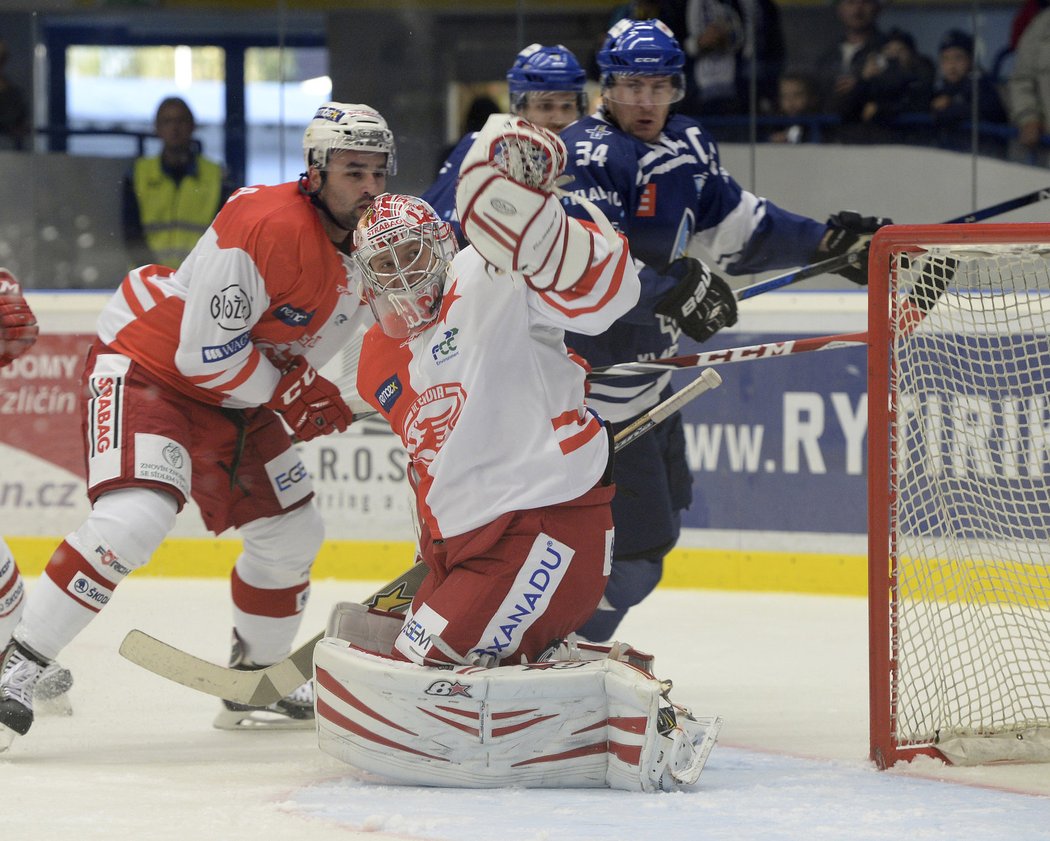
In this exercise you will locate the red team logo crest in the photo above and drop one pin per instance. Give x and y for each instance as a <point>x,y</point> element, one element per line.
<point>430,420</point>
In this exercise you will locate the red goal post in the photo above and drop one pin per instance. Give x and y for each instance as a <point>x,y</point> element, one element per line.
<point>959,492</point>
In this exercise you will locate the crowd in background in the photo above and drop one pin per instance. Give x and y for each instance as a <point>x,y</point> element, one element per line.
<point>872,86</point>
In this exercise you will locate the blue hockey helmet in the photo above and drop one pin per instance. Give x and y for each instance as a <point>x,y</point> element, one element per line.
<point>546,69</point>
<point>641,48</point>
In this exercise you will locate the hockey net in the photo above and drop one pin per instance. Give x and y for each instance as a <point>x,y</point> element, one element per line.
<point>959,493</point>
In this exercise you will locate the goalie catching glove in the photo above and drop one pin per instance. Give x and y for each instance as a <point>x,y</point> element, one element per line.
<point>509,210</point>
<point>701,303</point>
<point>850,233</point>
<point>18,327</point>
<point>310,404</point>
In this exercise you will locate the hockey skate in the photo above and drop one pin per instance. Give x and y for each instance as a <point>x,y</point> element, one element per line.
<point>294,711</point>
<point>686,743</point>
<point>20,671</point>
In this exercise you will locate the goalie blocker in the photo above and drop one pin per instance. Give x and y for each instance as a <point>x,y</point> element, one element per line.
<point>589,717</point>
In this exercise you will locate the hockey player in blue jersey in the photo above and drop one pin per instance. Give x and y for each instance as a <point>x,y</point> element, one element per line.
<point>657,177</point>
<point>546,86</point>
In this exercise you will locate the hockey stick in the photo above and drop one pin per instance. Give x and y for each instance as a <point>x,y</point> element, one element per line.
<point>261,687</point>
<point>833,264</point>
<point>912,311</point>
<point>707,380</point>
<point>767,350</point>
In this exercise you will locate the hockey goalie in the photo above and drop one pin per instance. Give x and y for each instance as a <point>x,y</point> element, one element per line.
<point>476,686</point>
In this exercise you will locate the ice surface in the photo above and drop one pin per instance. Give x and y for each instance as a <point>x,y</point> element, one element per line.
<point>139,759</point>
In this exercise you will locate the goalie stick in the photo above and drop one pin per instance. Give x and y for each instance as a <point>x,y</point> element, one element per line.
<point>833,264</point>
<point>261,687</point>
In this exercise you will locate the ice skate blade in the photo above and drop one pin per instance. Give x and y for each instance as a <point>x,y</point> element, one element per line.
<point>55,707</point>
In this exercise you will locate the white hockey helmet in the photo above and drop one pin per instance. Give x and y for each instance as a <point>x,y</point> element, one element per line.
<point>338,125</point>
<point>404,251</point>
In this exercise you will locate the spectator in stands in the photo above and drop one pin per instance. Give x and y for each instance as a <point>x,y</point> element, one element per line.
<point>1029,88</point>
<point>171,199</point>
<point>952,104</point>
<point>721,37</point>
<point>14,108</point>
<point>896,80</point>
<point>797,98</point>
<point>839,68</point>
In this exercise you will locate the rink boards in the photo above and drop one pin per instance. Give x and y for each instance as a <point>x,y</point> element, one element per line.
<point>777,456</point>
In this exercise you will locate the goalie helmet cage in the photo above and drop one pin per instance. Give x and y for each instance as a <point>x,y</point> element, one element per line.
<point>958,496</point>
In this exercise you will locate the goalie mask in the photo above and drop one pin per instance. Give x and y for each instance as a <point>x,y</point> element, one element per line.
<point>358,128</point>
<point>635,49</point>
<point>404,251</point>
<point>547,78</point>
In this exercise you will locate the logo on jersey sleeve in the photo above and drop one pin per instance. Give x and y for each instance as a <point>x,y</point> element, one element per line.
<point>231,308</point>
<point>293,316</point>
<point>217,353</point>
<point>388,392</point>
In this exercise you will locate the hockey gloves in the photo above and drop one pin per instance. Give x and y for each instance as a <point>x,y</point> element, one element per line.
<point>850,233</point>
<point>18,327</point>
<point>310,404</point>
<point>701,303</point>
<point>508,209</point>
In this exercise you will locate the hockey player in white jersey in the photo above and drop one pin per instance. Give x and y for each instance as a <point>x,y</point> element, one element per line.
<point>468,364</point>
<point>511,474</point>
<point>657,177</point>
<point>546,87</point>
<point>185,390</point>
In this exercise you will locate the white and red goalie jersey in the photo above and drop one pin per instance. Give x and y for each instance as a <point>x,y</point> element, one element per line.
<point>264,284</point>
<point>486,400</point>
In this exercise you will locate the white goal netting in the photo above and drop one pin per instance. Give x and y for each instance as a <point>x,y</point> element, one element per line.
<point>969,503</point>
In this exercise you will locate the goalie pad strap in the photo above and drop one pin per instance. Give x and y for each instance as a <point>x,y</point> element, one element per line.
<point>557,724</point>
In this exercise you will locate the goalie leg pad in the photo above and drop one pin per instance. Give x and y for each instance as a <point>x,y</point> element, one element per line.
<point>569,724</point>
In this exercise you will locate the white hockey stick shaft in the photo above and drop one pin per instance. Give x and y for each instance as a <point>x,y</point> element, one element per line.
<point>707,380</point>
<point>261,687</point>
